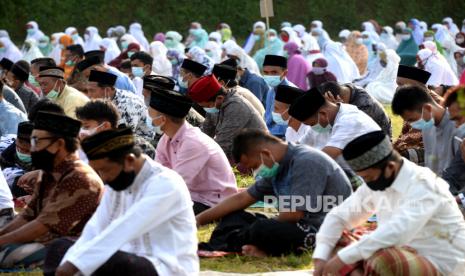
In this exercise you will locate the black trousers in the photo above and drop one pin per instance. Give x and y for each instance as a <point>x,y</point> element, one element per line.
<point>199,207</point>
<point>270,235</point>
<point>121,263</point>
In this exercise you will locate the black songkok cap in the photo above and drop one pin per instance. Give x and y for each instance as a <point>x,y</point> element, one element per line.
<point>104,143</point>
<point>88,62</point>
<point>170,102</point>
<point>193,67</point>
<point>6,64</point>
<point>21,70</point>
<point>413,73</point>
<point>102,78</point>
<point>158,81</point>
<point>76,49</point>
<point>57,124</point>
<point>288,94</point>
<point>367,150</point>
<point>273,60</point>
<point>230,62</point>
<point>95,53</point>
<point>25,130</point>
<point>224,72</point>
<point>307,105</point>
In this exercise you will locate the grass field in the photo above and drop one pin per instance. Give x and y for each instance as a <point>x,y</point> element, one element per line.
<point>240,264</point>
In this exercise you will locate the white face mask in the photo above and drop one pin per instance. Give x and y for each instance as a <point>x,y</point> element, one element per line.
<point>359,41</point>
<point>428,38</point>
<point>157,129</point>
<point>83,132</point>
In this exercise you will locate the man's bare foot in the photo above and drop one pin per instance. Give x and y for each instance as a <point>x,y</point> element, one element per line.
<point>252,251</point>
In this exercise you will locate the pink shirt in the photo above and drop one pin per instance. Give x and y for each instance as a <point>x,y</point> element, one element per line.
<point>200,161</point>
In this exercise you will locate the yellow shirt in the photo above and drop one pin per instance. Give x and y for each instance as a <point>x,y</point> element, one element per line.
<point>71,98</point>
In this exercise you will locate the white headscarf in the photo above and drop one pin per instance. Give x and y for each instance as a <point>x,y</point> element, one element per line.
<point>55,54</point>
<point>441,73</point>
<point>112,51</point>
<point>339,61</point>
<point>384,85</point>
<point>4,33</point>
<point>92,40</point>
<point>161,64</point>
<point>11,51</point>
<point>213,50</point>
<point>441,33</point>
<point>250,42</point>
<point>33,51</point>
<point>300,30</point>
<point>135,29</point>
<point>453,29</point>
<point>215,36</point>
<point>245,61</point>
<point>310,44</point>
<point>423,26</point>
<point>344,34</point>
<point>292,36</point>
<point>369,27</point>
<point>37,33</point>
<point>73,33</point>
<point>387,38</point>
<point>318,24</point>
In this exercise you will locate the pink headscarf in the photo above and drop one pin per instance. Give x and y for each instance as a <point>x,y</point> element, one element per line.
<point>159,37</point>
<point>297,66</point>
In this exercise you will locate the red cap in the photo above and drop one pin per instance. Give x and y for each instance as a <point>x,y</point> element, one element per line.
<point>204,89</point>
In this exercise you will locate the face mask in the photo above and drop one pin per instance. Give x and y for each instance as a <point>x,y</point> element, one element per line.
<point>53,94</point>
<point>366,42</point>
<point>182,83</point>
<point>32,80</point>
<point>405,36</point>
<point>2,49</point>
<point>318,70</point>
<point>209,53</point>
<point>86,37</point>
<point>421,124</point>
<point>384,35</point>
<point>89,132</point>
<point>138,71</point>
<point>174,61</point>
<point>25,158</point>
<point>271,38</point>
<point>43,159</point>
<point>381,183</point>
<point>62,47</point>
<point>359,41</point>
<point>462,59</point>
<point>459,40</point>
<point>264,172</point>
<point>428,38</point>
<point>130,54</point>
<point>169,43</point>
<point>284,38</point>
<point>272,81</point>
<point>124,45</point>
<point>256,37</point>
<point>318,128</point>
<point>30,31</point>
<point>156,128</point>
<point>278,119</point>
<point>70,63</point>
<point>43,44</point>
<point>122,181</point>
<point>211,110</point>
<point>75,37</point>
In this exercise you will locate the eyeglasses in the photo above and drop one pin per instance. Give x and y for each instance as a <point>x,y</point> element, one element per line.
<point>35,140</point>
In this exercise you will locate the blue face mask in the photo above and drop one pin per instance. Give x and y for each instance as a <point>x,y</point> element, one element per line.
<point>272,81</point>
<point>265,172</point>
<point>30,31</point>
<point>422,124</point>
<point>124,45</point>
<point>182,83</point>
<point>256,37</point>
<point>138,71</point>
<point>211,110</point>
<point>318,128</point>
<point>25,158</point>
<point>278,119</point>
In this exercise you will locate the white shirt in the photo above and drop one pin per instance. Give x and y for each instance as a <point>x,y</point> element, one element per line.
<point>416,211</point>
<point>293,136</point>
<point>313,138</point>
<point>153,218</point>
<point>6,198</point>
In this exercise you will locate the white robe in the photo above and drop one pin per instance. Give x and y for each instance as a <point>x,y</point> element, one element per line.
<point>153,218</point>
<point>384,85</point>
<point>92,42</point>
<point>112,50</point>
<point>161,64</point>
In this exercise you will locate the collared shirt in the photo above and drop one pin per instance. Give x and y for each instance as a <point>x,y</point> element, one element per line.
<point>27,96</point>
<point>255,84</point>
<point>65,200</point>
<point>310,174</point>
<point>236,113</point>
<point>274,128</point>
<point>152,218</point>
<point>133,112</point>
<point>416,211</point>
<point>10,117</point>
<point>438,144</point>
<point>200,161</point>
<point>123,81</point>
<point>70,99</point>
